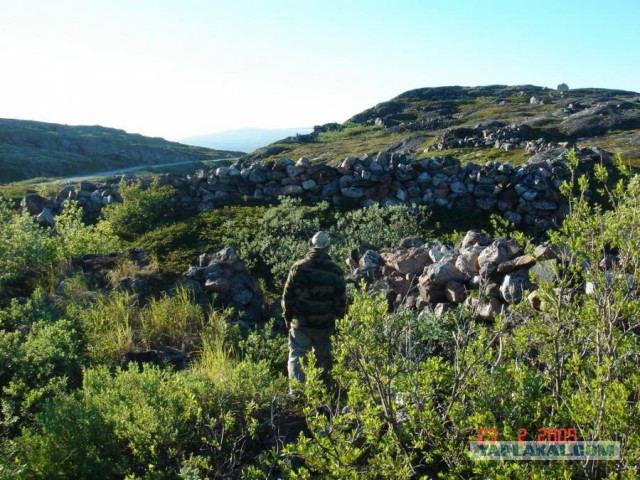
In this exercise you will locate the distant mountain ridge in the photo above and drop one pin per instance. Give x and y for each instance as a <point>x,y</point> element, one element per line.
<point>31,149</point>
<point>244,139</point>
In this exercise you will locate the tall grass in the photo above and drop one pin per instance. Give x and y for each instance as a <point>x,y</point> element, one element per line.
<point>171,321</point>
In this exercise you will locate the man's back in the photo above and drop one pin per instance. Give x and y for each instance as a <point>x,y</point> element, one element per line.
<point>314,295</point>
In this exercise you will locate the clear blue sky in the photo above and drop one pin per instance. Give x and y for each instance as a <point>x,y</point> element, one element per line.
<point>176,68</point>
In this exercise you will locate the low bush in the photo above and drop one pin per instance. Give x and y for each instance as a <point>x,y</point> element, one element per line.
<point>27,251</point>
<point>140,210</point>
<point>40,354</point>
<point>150,424</point>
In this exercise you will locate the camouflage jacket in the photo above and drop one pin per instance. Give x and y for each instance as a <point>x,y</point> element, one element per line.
<point>315,292</point>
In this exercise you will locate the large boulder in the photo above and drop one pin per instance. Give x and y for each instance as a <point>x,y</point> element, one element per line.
<point>518,263</point>
<point>474,237</point>
<point>514,285</point>
<point>467,261</point>
<point>411,261</point>
<point>441,273</point>
<point>500,251</point>
<point>371,259</point>
<point>34,203</point>
<point>484,309</point>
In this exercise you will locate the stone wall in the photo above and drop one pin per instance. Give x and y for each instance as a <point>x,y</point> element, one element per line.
<point>525,195</point>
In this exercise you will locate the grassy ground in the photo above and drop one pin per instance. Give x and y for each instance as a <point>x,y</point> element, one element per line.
<point>336,146</point>
<point>627,143</point>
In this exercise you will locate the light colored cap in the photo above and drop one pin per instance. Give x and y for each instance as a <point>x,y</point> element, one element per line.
<point>319,240</point>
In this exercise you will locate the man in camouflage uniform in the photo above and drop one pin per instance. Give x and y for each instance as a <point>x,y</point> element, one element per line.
<point>314,297</point>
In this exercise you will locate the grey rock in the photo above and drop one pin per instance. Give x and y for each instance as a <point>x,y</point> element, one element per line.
<point>241,297</point>
<point>226,256</point>
<point>482,309</point>
<point>308,184</point>
<point>96,197</point>
<point>258,176</point>
<point>352,192</point>
<point>219,285</point>
<point>467,261</point>
<point>458,187</point>
<point>368,274</point>
<point>371,258</point>
<point>518,263</point>
<point>441,273</point>
<point>514,285</point>
<point>545,271</point>
<point>303,162</point>
<point>499,251</point>
<point>34,203</point>
<point>430,292</point>
<point>474,237</point>
<point>46,218</point>
<point>409,262</point>
<point>88,186</point>
<point>529,195</point>
<point>292,190</point>
<point>486,203</point>
<point>423,178</point>
<point>411,242</point>
<point>513,217</point>
<point>438,179</point>
<point>545,205</point>
<point>545,252</point>
<point>455,292</point>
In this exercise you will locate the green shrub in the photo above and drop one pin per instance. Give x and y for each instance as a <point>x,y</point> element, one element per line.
<point>150,423</point>
<point>30,253</point>
<point>27,251</point>
<point>78,239</point>
<point>377,226</point>
<point>140,210</point>
<point>40,353</point>
<point>175,246</point>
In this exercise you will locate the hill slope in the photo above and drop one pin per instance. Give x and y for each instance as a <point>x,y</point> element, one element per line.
<point>31,149</point>
<point>477,123</point>
<point>244,139</point>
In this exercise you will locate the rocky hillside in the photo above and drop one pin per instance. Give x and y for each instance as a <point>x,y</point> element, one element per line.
<point>35,149</point>
<point>504,123</point>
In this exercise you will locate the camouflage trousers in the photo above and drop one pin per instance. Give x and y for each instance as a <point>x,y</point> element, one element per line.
<point>303,340</point>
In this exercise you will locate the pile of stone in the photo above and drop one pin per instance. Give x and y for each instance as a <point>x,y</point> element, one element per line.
<point>494,135</point>
<point>486,275</point>
<point>227,282</point>
<point>91,197</point>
